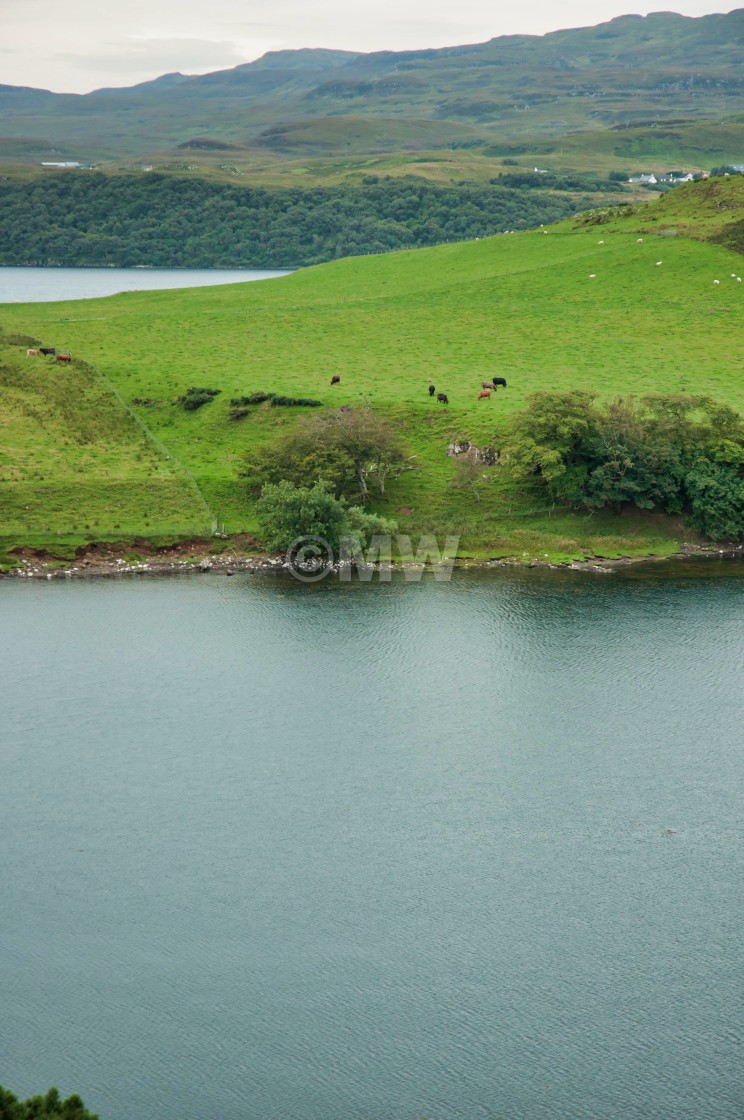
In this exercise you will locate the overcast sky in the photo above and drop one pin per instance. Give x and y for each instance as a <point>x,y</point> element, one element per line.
<point>78,45</point>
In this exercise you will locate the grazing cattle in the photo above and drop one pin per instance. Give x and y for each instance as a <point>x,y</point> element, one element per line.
<point>486,384</point>
<point>64,357</point>
<point>484,395</point>
<point>47,350</point>
<point>498,381</point>
<point>335,380</point>
<point>32,353</point>
<point>442,398</point>
<point>432,390</point>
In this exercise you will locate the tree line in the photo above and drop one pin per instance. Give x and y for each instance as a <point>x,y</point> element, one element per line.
<point>81,218</point>
<point>680,453</point>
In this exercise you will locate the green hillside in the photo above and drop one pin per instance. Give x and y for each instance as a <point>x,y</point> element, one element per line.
<point>555,309</point>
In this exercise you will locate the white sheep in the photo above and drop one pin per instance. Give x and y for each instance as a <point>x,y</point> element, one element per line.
<point>738,279</point>
<point>658,263</point>
<point>600,242</point>
<point>592,276</point>
<point>639,241</point>
<point>716,281</point>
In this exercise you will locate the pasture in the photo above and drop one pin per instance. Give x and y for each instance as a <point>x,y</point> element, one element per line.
<point>548,310</point>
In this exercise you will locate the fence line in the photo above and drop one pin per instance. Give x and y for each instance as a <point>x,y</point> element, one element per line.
<point>158,444</point>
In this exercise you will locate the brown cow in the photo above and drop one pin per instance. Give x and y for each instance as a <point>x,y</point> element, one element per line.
<point>335,380</point>
<point>64,357</point>
<point>485,394</point>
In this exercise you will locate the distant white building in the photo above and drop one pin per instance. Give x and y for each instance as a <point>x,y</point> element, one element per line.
<point>650,179</point>
<point>68,164</point>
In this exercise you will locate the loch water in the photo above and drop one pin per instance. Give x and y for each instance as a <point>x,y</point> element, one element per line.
<point>466,850</point>
<point>38,285</point>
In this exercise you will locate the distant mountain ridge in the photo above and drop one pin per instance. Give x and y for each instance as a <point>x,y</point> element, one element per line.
<point>633,67</point>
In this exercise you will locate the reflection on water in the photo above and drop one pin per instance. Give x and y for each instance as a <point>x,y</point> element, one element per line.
<point>347,851</point>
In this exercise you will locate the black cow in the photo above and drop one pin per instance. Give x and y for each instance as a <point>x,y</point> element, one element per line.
<point>335,380</point>
<point>47,350</point>
<point>432,390</point>
<point>442,398</point>
<point>498,381</point>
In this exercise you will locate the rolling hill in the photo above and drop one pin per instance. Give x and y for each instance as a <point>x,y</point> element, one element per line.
<point>630,73</point>
<point>617,302</point>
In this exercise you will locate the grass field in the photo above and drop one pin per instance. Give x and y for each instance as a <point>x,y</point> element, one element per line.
<point>521,306</point>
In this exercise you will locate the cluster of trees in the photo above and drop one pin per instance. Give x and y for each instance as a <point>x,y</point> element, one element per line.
<point>49,1107</point>
<point>81,218</point>
<point>354,451</point>
<point>679,453</point>
<point>316,480</point>
<point>309,517</point>
<point>727,169</point>
<point>562,181</point>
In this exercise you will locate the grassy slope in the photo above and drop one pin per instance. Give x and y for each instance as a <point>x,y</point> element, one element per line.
<point>74,462</point>
<point>522,306</point>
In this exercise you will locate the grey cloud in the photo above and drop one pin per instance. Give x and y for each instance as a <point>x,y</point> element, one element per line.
<point>158,55</point>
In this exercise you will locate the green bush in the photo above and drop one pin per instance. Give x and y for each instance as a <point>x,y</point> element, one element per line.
<point>676,452</point>
<point>348,448</point>
<point>195,398</point>
<point>49,1107</point>
<point>289,514</point>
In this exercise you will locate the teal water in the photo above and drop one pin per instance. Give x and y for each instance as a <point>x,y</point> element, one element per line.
<point>463,851</point>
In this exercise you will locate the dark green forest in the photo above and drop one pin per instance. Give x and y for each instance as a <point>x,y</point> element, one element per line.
<point>165,221</point>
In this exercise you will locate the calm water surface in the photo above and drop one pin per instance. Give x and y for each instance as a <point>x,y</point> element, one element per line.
<point>461,851</point>
<point>38,285</point>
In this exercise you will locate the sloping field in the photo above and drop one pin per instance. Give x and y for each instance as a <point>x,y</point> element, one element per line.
<point>74,462</point>
<point>546,310</point>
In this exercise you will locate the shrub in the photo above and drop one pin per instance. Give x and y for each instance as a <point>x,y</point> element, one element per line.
<point>289,513</point>
<point>237,413</point>
<point>239,405</point>
<point>195,398</point>
<point>349,448</point>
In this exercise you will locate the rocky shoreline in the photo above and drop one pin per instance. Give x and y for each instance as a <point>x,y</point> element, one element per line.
<point>174,563</point>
